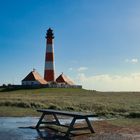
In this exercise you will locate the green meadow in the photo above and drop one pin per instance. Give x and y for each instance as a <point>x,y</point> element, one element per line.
<point>24,102</point>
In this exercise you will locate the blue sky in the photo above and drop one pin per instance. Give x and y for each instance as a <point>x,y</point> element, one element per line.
<point>97,42</point>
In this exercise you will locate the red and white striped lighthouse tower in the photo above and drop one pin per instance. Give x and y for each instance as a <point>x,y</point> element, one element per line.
<point>49,74</point>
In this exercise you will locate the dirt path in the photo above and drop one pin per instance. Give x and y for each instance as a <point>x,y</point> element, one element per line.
<point>107,131</point>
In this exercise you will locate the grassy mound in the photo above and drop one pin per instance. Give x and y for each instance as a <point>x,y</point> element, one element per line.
<point>109,104</point>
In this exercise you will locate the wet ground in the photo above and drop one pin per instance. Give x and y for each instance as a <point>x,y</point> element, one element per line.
<point>14,128</point>
<point>18,128</point>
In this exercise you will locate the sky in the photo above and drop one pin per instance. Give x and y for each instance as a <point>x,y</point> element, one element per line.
<point>97,42</point>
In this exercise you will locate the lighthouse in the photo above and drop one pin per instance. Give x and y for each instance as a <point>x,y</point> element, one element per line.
<point>34,79</point>
<point>49,74</point>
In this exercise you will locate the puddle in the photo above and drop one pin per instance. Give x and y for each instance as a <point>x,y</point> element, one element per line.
<point>10,128</point>
<point>17,128</point>
<point>68,120</point>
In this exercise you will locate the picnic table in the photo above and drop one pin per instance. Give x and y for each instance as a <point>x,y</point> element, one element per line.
<point>75,116</point>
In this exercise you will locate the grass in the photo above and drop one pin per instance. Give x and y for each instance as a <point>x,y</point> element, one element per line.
<point>126,122</point>
<point>17,112</point>
<point>107,104</point>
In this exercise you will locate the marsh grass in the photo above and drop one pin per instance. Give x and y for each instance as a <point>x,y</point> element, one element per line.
<point>17,112</point>
<point>107,104</point>
<point>126,122</point>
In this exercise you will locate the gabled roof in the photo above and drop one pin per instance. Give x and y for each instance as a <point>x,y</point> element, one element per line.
<point>34,76</point>
<point>64,79</point>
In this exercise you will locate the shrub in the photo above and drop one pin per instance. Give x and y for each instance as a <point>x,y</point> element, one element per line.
<point>53,106</point>
<point>134,115</point>
<point>69,108</point>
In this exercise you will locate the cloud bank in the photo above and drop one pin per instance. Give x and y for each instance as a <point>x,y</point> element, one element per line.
<point>108,82</point>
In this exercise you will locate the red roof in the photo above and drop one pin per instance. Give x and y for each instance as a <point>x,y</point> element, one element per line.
<point>64,79</point>
<point>34,76</point>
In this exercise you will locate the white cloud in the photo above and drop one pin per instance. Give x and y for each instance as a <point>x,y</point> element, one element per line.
<point>82,69</point>
<point>132,61</point>
<point>108,82</point>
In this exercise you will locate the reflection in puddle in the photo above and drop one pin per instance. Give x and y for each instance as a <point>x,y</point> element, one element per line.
<point>10,128</point>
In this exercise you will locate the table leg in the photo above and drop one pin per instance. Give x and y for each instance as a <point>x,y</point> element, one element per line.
<point>71,126</point>
<point>57,121</point>
<point>89,125</point>
<point>40,120</point>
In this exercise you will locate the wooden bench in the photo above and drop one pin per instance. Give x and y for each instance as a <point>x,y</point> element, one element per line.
<point>75,116</point>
